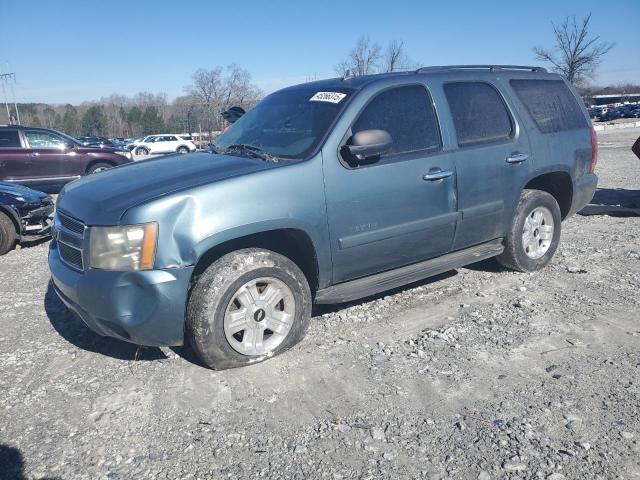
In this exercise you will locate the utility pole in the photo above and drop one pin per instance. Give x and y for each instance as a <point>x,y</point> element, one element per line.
<point>9,79</point>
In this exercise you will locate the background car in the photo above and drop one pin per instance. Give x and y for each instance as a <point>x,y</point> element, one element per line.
<point>132,143</point>
<point>25,214</point>
<point>96,142</point>
<point>165,143</point>
<point>47,159</point>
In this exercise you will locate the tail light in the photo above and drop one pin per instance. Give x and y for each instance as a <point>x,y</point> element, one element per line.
<point>594,151</point>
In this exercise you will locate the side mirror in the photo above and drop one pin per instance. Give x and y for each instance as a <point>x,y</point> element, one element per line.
<point>369,143</point>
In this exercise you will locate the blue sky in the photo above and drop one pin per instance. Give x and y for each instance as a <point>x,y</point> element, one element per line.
<point>72,51</point>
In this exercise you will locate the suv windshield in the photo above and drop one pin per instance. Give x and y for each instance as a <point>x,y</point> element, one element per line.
<point>287,124</point>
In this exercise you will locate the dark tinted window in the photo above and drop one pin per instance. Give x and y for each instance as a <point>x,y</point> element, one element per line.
<point>551,104</point>
<point>479,113</point>
<point>407,114</point>
<point>9,139</point>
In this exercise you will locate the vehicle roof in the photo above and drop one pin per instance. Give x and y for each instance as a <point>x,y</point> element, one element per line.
<point>24,127</point>
<point>453,71</point>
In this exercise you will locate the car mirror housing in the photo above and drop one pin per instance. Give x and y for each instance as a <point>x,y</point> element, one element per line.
<point>369,144</point>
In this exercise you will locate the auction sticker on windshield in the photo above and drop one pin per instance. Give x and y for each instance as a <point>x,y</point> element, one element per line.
<point>331,97</point>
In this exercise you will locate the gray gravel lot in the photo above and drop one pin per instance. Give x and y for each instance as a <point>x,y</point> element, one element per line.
<point>480,373</point>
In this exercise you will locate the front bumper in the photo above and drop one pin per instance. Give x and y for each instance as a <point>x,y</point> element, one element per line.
<point>584,188</point>
<point>140,307</point>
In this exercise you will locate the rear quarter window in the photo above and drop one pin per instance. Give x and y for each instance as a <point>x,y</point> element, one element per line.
<point>478,112</point>
<point>551,105</point>
<point>9,139</point>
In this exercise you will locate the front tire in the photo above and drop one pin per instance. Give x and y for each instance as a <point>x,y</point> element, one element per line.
<point>534,234</point>
<point>7,234</point>
<point>142,151</point>
<point>246,307</point>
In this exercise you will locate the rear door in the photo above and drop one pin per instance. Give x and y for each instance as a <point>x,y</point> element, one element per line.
<point>492,160</point>
<point>389,213</point>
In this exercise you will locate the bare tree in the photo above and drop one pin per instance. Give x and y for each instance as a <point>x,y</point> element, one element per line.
<point>215,92</point>
<point>575,54</point>
<point>396,59</point>
<point>364,59</point>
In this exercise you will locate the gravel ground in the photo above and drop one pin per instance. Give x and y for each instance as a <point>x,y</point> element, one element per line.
<point>480,373</point>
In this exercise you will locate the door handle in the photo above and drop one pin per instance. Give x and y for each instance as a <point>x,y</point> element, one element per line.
<point>36,154</point>
<point>517,158</point>
<point>434,175</point>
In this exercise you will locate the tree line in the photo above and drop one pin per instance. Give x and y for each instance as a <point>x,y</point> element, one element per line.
<point>199,109</point>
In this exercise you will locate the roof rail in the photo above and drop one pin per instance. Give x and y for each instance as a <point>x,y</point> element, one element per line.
<point>491,68</point>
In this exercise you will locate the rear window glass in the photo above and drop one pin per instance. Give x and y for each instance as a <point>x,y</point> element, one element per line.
<point>9,139</point>
<point>551,105</point>
<point>479,113</point>
<point>407,114</point>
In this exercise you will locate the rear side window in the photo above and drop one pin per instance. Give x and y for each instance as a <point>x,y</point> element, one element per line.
<point>9,139</point>
<point>407,114</point>
<point>479,113</point>
<point>551,105</point>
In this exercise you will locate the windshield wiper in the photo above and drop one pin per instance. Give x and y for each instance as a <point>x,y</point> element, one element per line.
<point>252,151</point>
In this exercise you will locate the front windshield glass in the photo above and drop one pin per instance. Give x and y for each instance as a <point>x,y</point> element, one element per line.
<point>287,124</point>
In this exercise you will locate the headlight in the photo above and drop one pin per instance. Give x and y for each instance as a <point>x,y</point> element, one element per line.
<point>124,154</point>
<point>128,247</point>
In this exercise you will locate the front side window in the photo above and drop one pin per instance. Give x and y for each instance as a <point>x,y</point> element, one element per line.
<point>479,113</point>
<point>38,139</point>
<point>9,139</point>
<point>288,124</point>
<point>551,105</point>
<point>407,114</point>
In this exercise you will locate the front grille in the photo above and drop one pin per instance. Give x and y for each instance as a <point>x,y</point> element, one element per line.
<point>71,224</point>
<point>72,256</point>
<point>70,238</point>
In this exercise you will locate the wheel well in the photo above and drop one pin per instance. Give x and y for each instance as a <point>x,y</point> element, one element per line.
<point>11,217</point>
<point>557,184</point>
<point>291,243</point>
<point>96,161</point>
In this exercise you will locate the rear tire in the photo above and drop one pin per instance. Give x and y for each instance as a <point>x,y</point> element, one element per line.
<point>8,234</point>
<point>240,298</point>
<point>99,167</point>
<point>534,235</point>
<point>183,150</point>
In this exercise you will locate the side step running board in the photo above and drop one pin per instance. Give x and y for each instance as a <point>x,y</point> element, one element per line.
<point>380,282</point>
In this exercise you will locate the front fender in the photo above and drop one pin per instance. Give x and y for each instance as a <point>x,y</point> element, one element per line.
<point>194,221</point>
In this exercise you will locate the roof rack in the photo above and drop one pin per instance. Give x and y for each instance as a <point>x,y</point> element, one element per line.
<point>491,68</point>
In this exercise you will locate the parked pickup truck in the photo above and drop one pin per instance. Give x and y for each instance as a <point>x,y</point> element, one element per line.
<point>324,192</point>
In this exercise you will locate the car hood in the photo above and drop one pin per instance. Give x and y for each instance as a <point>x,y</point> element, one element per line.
<point>10,190</point>
<point>102,198</point>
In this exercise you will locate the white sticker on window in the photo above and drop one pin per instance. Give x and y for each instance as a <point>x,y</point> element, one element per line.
<point>331,97</point>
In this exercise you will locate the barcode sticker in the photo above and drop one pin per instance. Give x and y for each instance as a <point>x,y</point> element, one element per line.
<point>331,97</point>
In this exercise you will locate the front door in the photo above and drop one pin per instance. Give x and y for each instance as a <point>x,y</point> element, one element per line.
<point>399,208</point>
<point>48,156</point>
